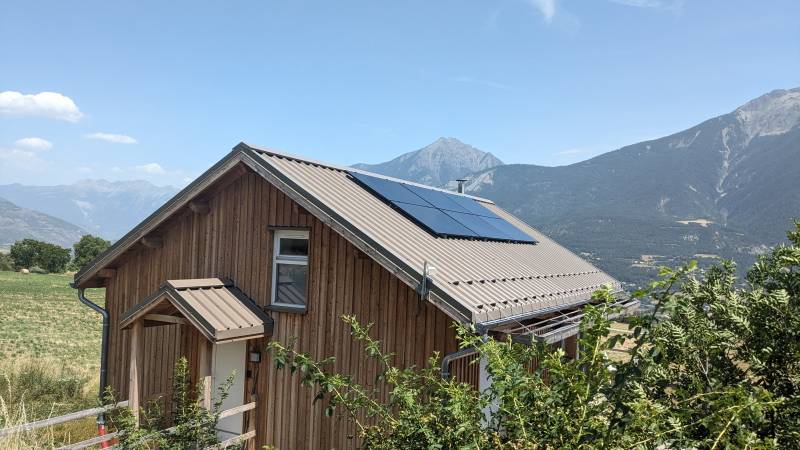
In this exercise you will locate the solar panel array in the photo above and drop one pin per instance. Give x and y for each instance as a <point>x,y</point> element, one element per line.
<point>441,213</point>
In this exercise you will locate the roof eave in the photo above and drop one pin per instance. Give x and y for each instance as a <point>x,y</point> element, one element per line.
<point>87,272</point>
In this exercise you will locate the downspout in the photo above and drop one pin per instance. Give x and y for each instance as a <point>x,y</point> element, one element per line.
<point>101,419</point>
<point>450,357</point>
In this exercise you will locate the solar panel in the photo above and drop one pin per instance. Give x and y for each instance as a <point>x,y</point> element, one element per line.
<point>436,220</point>
<point>479,225</point>
<point>442,213</point>
<point>438,199</point>
<point>390,190</point>
<point>472,206</point>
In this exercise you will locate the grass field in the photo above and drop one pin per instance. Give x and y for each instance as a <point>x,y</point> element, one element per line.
<point>41,317</point>
<point>49,355</point>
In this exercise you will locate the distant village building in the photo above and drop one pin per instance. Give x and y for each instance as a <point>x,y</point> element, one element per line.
<point>268,246</point>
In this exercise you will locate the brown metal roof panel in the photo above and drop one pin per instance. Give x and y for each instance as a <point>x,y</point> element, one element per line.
<point>538,270</point>
<point>198,283</point>
<point>218,309</point>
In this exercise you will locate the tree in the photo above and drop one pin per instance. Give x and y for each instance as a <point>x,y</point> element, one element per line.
<point>23,253</point>
<point>28,253</point>
<point>714,364</point>
<point>87,249</point>
<point>53,258</point>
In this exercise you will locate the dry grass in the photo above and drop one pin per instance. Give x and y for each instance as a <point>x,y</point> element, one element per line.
<point>621,353</point>
<point>49,358</point>
<point>40,316</point>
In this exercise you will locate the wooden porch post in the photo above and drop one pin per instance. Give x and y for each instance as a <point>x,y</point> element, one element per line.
<point>136,366</point>
<point>204,371</point>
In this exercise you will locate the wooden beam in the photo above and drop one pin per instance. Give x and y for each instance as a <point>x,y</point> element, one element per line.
<point>199,206</point>
<point>204,371</point>
<point>152,241</point>
<point>165,318</point>
<point>136,367</point>
<point>106,273</point>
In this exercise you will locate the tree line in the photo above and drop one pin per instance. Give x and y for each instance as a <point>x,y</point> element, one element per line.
<point>44,257</point>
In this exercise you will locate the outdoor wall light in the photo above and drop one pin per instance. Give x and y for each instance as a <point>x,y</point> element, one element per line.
<point>255,356</point>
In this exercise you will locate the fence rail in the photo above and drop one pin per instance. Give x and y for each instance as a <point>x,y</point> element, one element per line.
<point>107,437</point>
<point>60,419</point>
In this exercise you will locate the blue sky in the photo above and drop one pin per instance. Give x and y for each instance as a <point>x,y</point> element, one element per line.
<point>161,90</point>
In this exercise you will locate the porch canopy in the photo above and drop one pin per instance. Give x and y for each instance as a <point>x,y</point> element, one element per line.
<point>220,311</point>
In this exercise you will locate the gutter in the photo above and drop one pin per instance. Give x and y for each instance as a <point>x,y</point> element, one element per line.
<point>103,352</point>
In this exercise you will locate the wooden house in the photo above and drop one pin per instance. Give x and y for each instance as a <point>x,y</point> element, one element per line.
<point>269,246</point>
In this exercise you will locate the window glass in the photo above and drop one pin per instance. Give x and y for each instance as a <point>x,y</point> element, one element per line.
<point>293,247</point>
<point>291,284</point>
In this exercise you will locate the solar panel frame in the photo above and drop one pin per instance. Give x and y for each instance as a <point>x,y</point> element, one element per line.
<point>442,213</point>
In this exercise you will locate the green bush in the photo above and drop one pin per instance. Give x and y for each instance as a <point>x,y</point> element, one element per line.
<point>714,364</point>
<point>87,249</point>
<point>194,426</point>
<point>6,264</point>
<point>30,252</point>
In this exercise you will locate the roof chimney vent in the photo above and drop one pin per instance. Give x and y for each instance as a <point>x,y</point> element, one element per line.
<point>461,182</point>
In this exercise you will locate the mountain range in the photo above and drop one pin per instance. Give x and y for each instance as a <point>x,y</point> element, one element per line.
<point>725,188</point>
<point>20,223</point>
<point>104,208</point>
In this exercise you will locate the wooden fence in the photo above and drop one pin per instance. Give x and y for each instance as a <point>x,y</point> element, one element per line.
<point>109,436</point>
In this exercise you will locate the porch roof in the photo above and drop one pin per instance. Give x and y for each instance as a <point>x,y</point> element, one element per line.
<point>219,310</point>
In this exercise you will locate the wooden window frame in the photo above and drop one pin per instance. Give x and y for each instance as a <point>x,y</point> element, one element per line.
<point>294,233</point>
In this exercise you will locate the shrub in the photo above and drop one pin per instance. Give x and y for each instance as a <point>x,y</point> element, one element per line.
<point>87,249</point>
<point>6,264</point>
<point>194,426</point>
<point>30,252</point>
<point>714,364</point>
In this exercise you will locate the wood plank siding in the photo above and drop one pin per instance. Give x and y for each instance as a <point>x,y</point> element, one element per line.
<point>232,239</point>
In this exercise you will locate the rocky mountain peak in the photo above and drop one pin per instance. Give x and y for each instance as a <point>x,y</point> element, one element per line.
<point>444,160</point>
<point>777,112</point>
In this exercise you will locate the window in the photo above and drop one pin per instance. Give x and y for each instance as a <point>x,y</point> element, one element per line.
<point>290,269</point>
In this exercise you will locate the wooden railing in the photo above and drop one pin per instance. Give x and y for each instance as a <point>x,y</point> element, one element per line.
<point>60,419</point>
<point>251,433</point>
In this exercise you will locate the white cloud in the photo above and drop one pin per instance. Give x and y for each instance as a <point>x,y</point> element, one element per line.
<point>151,169</point>
<point>546,7</point>
<point>113,138</point>
<point>34,143</point>
<point>25,159</point>
<point>44,104</point>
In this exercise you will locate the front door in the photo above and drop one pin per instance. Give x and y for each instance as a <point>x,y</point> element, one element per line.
<point>229,359</point>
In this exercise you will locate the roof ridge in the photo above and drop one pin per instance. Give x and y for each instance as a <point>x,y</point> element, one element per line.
<point>302,159</point>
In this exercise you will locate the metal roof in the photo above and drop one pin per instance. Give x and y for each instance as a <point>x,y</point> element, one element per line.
<point>483,282</point>
<point>491,280</point>
<point>219,310</point>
